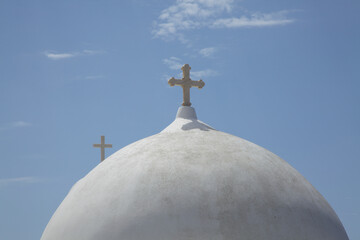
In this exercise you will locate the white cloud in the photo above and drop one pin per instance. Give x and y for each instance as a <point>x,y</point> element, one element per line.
<point>57,56</point>
<point>255,20</point>
<point>7,181</point>
<point>203,73</point>
<point>173,63</point>
<point>186,15</point>
<point>207,52</point>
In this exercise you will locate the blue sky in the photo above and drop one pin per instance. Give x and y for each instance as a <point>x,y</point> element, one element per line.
<point>282,74</point>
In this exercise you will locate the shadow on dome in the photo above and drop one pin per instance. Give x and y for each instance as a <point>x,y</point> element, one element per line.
<point>195,124</point>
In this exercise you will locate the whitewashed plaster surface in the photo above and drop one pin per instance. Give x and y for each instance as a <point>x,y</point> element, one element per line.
<point>193,182</point>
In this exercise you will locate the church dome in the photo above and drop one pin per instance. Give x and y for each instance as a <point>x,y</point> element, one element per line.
<point>193,182</point>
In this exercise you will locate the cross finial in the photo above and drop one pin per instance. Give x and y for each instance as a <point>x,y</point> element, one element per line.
<point>102,145</point>
<point>186,83</point>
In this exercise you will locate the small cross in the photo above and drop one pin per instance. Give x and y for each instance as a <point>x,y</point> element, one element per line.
<point>103,146</point>
<point>186,83</point>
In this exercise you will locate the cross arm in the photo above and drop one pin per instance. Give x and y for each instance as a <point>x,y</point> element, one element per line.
<point>198,84</point>
<point>173,81</point>
<point>105,145</point>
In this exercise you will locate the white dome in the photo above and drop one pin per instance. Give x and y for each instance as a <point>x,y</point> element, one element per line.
<point>193,182</point>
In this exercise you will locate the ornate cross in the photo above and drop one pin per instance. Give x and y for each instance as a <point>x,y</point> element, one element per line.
<point>103,146</point>
<point>186,83</point>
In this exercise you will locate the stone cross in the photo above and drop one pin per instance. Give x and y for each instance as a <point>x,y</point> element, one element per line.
<point>186,83</point>
<point>102,145</point>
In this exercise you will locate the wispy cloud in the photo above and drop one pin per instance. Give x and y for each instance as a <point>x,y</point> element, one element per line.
<point>187,15</point>
<point>8,181</point>
<point>15,124</point>
<point>175,63</point>
<point>204,73</point>
<point>255,20</point>
<point>207,52</point>
<point>57,56</point>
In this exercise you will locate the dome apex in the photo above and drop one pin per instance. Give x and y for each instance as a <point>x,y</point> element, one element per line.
<point>186,113</point>
<point>186,120</point>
